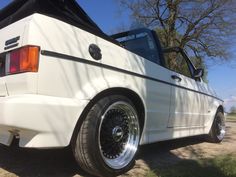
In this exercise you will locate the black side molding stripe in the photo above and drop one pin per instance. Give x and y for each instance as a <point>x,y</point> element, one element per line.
<point>81,60</point>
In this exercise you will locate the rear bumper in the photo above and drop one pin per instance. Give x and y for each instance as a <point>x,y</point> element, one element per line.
<point>39,121</point>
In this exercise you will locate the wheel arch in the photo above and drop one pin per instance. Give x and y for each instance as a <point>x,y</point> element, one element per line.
<point>132,95</point>
<point>221,109</point>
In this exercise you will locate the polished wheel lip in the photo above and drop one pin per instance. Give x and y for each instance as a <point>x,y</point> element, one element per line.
<point>133,139</point>
<point>221,128</point>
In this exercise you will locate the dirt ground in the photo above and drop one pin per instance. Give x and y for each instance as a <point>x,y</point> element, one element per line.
<point>60,163</point>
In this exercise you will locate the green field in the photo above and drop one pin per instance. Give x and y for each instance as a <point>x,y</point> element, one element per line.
<point>223,166</point>
<point>231,117</point>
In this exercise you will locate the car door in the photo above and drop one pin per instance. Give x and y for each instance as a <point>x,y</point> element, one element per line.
<point>185,101</point>
<point>156,88</point>
<point>207,106</point>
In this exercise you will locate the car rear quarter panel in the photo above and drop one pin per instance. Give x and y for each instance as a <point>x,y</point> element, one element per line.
<point>71,78</point>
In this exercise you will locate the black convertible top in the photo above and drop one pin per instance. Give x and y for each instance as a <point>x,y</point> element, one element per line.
<point>65,10</point>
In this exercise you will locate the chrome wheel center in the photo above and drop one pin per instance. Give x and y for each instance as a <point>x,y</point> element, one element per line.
<point>117,133</point>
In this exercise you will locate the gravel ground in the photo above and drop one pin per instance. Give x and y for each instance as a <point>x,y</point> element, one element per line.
<point>60,163</point>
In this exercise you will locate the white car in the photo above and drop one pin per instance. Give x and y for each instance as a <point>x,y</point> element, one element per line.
<point>64,82</point>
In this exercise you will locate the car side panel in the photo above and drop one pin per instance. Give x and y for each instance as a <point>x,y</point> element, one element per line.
<point>67,77</point>
<point>189,105</point>
<point>70,72</point>
<point>212,103</point>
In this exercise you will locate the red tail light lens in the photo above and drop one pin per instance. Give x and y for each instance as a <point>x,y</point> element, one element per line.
<point>14,62</point>
<point>25,59</point>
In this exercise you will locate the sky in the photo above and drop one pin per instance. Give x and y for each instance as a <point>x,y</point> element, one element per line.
<point>109,16</point>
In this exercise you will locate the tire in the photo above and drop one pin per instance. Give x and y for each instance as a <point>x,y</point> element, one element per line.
<point>108,138</point>
<point>217,131</point>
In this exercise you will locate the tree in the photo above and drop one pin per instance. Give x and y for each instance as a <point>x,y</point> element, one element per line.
<point>233,110</point>
<point>202,27</point>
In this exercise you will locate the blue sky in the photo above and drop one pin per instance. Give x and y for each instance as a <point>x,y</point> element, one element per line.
<point>108,15</point>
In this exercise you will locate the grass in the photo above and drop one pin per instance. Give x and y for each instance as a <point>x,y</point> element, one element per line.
<point>222,166</point>
<point>231,117</point>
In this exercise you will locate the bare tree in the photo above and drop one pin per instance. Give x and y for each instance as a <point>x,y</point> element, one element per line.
<point>233,110</point>
<point>204,27</point>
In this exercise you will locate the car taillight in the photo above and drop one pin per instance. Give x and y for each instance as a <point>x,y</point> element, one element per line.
<point>25,59</point>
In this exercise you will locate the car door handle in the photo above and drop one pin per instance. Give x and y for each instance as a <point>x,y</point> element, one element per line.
<point>177,78</point>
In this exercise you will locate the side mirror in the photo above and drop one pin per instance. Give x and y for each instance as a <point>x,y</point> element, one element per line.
<point>198,73</point>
